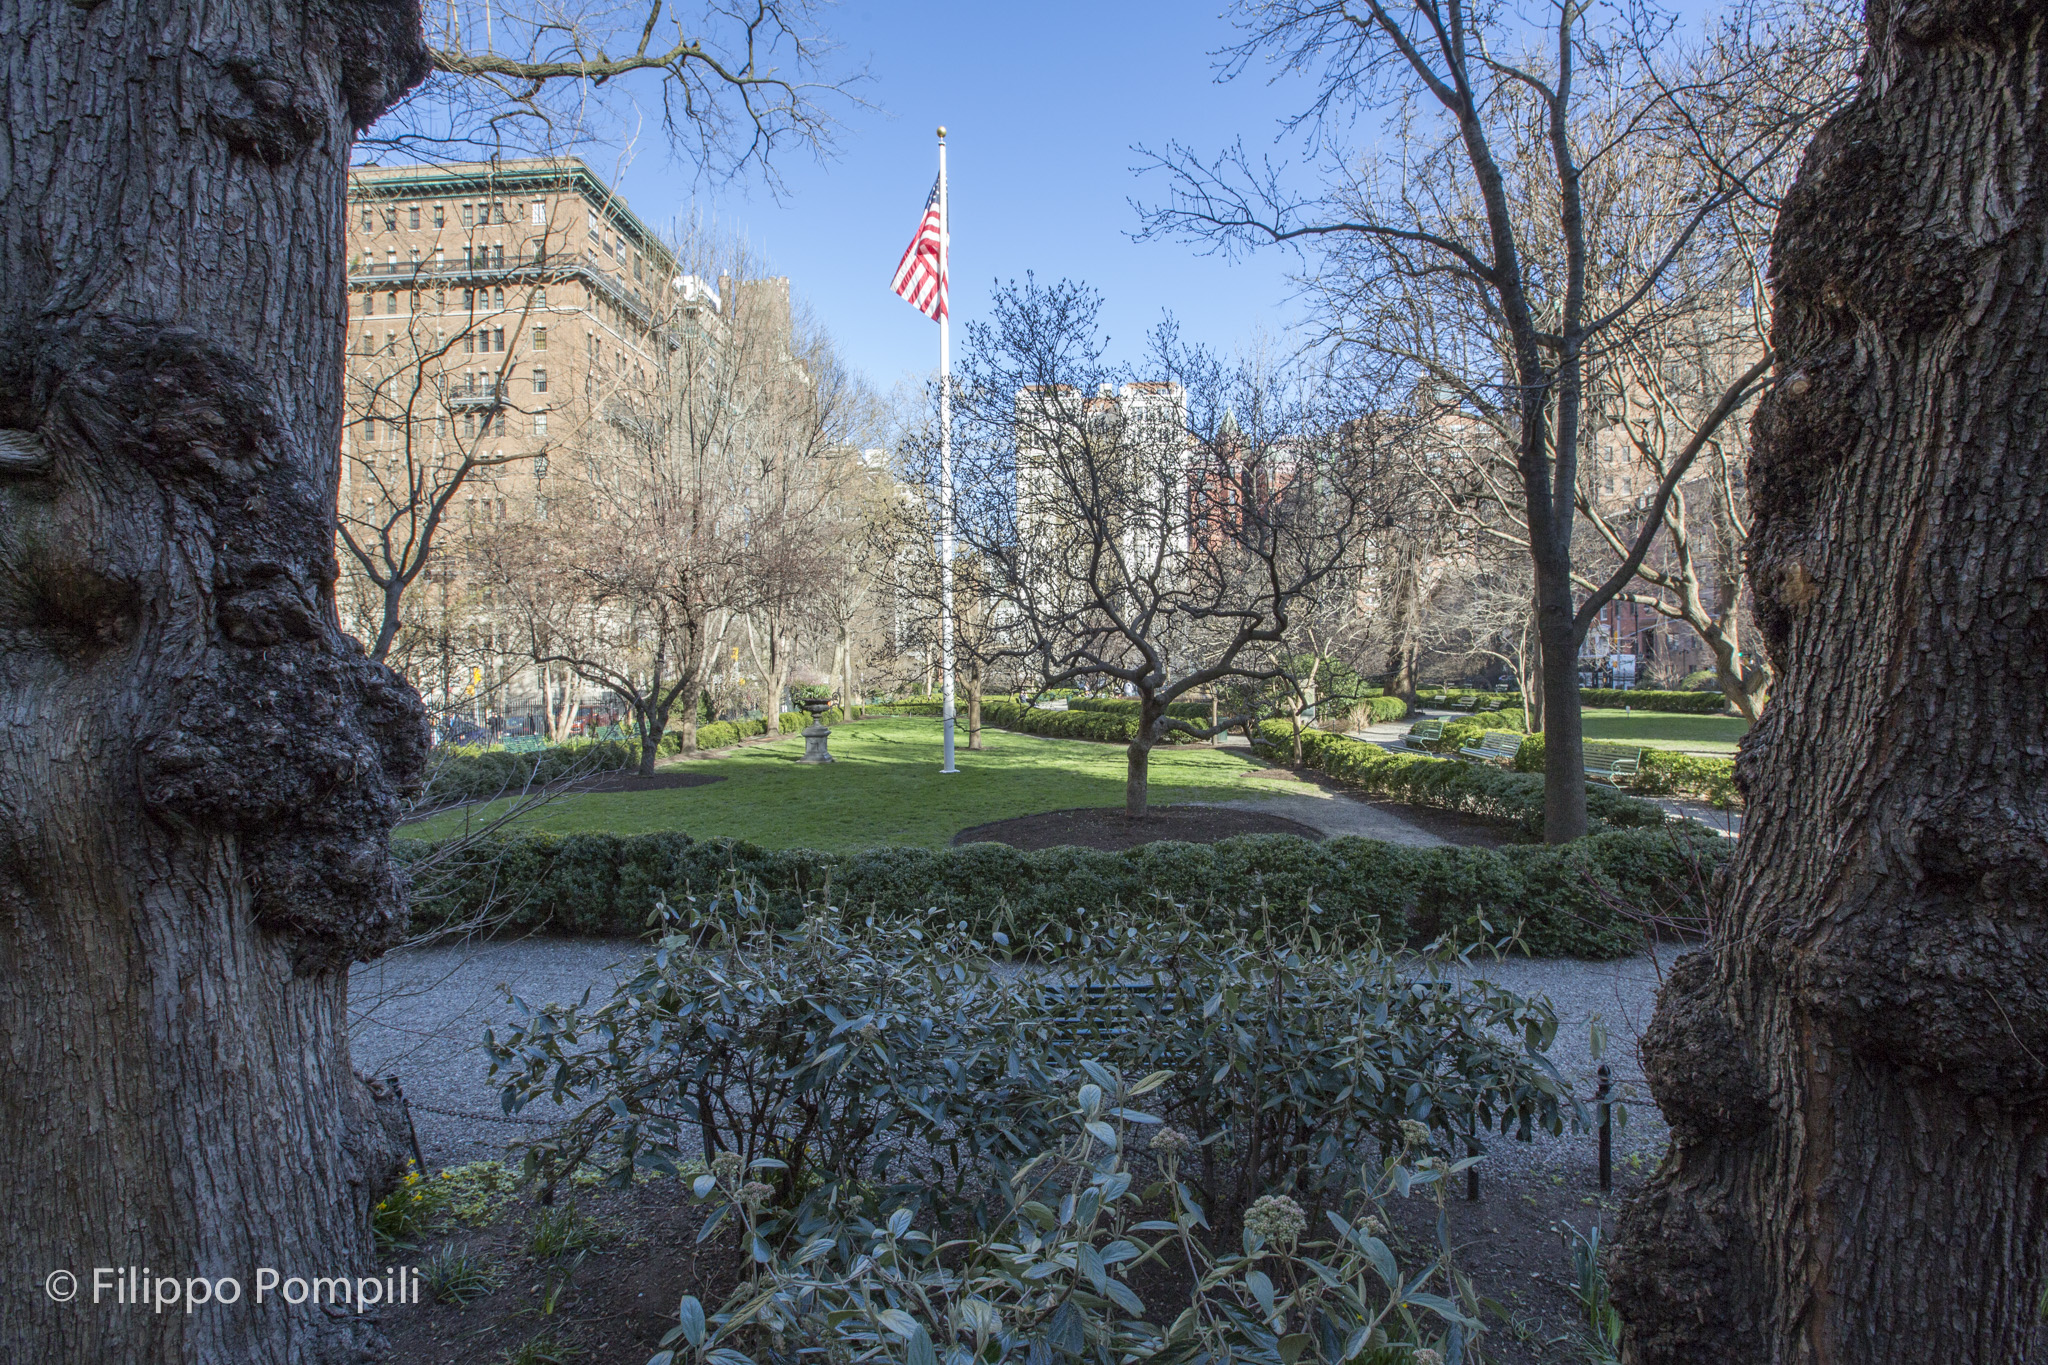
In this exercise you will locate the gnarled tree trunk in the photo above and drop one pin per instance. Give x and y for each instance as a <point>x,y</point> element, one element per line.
<point>1857,1077</point>
<point>198,771</point>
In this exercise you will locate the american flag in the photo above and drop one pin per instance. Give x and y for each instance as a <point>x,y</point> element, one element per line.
<point>920,275</point>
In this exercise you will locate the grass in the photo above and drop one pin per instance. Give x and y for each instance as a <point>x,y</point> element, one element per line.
<point>885,788</point>
<point>1660,730</point>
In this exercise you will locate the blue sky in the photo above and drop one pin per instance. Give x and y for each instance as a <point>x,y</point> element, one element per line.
<point>1043,105</point>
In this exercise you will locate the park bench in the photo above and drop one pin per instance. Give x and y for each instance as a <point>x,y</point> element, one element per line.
<point>1423,733</point>
<point>524,744</point>
<point>1495,746</point>
<point>1610,763</point>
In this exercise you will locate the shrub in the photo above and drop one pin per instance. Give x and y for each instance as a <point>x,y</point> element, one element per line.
<point>1700,680</point>
<point>1663,773</point>
<point>887,1064</point>
<point>1109,726</point>
<point>1514,798</point>
<point>1685,703</point>
<point>1051,1274</point>
<point>1353,891</point>
<point>1467,729</point>
<point>467,774</point>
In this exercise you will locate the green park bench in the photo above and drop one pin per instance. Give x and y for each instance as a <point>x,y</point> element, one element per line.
<point>1610,763</point>
<point>1422,734</point>
<point>1495,746</point>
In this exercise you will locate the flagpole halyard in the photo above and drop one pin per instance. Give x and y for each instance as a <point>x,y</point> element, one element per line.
<point>945,464</point>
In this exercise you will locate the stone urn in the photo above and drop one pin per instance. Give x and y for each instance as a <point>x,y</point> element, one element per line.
<point>816,734</point>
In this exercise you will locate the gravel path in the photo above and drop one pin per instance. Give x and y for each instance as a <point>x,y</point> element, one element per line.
<point>421,1014</point>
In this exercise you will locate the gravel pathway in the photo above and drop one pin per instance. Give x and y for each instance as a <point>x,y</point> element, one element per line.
<point>421,1014</point>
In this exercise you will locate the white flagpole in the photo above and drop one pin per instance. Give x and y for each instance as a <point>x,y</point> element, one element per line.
<point>945,460</point>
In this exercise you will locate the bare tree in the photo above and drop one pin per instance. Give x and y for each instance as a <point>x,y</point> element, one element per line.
<point>423,418</point>
<point>1494,255</point>
<point>1133,535</point>
<point>1854,1069</point>
<point>736,86</point>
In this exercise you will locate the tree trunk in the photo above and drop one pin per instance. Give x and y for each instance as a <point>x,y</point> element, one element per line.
<point>1564,754</point>
<point>1855,1077</point>
<point>198,771</point>
<point>1138,758</point>
<point>973,704</point>
<point>1407,616</point>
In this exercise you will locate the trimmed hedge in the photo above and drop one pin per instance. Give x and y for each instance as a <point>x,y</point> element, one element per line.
<point>466,774</point>
<point>1575,899</point>
<point>1684,703</point>
<point>1514,798</point>
<point>1128,707</point>
<point>723,734</point>
<point>1664,773</point>
<point>1110,727</point>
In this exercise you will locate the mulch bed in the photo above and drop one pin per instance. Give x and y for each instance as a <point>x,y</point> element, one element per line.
<point>1109,829</point>
<point>634,782</point>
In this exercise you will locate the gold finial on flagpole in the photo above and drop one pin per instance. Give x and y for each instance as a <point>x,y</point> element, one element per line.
<point>942,132</point>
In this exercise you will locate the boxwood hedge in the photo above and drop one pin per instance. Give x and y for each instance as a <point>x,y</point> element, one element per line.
<point>1577,899</point>
<point>1514,798</point>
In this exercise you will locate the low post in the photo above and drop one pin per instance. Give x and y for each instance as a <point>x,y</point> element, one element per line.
<point>1606,1129</point>
<point>419,1161</point>
<point>1472,1172</point>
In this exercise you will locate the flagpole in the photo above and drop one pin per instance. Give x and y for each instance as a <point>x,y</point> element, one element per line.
<point>945,457</point>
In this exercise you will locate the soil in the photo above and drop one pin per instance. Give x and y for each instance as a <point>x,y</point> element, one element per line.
<point>1453,827</point>
<point>623,1296</point>
<point>1108,828</point>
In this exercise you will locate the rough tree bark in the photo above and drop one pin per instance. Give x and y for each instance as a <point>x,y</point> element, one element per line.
<point>1857,1076</point>
<point>198,770</point>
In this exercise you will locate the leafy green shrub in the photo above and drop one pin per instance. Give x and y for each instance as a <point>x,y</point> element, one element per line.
<point>1128,707</point>
<point>723,734</point>
<point>1684,703</point>
<point>893,1063</point>
<point>1700,680</point>
<point>1468,729</point>
<point>1664,773</point>
<point>1514,798</point>
<point>1353,891</point>
<point>1110,726</point>
<point>1049,1280</point>
<point>461,773</point>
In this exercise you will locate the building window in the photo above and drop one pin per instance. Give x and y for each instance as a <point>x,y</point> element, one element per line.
<point>369,304</point>
<point>440,216</point>
<point>468,216</point>
<point>589,212</point>
<point>391,302</point>
<point>539,212</point>
<point>540,338</point>
<point>412,216</point>
<point>370,430</point>
<point>440,427</point>
<point>540,298</point>
<point>497,338</point>
<point>540,463</point>
<point>498,254</point>
<point>469,424</point>
<point>391,343</point>
<point>469,343</point>
<point>501,422</point>
<point>414,301</point>
<point>366,217</point>
<point>498,300</point>
<point>440,257</point>
<point>540,424</point>
<point>391,220</point>
<point>540,381</point>
<point>469,300</point>
<point>440,299</point>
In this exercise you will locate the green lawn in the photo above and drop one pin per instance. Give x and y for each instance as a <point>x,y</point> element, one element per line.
<point>885,788</point>
<point>1659,730</point>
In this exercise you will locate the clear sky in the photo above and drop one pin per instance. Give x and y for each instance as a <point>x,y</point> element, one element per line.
<point>1043,105</point>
